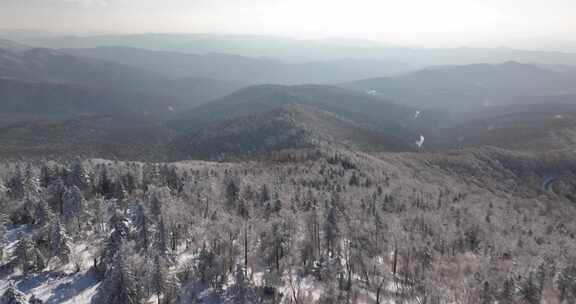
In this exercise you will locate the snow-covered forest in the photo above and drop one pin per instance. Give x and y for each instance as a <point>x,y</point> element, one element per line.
<point>311,226</point>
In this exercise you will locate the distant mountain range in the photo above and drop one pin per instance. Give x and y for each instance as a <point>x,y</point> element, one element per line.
<point>241,69</point>
<point>469,87</point>
<point>298,49</point>
<point>64,78</point>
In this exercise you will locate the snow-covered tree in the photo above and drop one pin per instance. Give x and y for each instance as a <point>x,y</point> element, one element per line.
<point>161,240</point>
<point>3,231</point>
<point>31,182</point>
<point>60,242</point>
<point>35,300</point>
<point>120,229</point>
<point>13,296</point>
<point>55,195</point>
<point>119,286</point>
<point>78,177</point>
<point>143,228</point>
<point>28,257</point>
<point>74,205</point>
<point>159,277</point>
<point>43,215</point>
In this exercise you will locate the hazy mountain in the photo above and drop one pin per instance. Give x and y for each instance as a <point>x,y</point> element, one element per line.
<point>240,68</point>
<point>469,87</point>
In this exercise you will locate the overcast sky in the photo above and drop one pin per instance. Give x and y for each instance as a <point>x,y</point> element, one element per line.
<point>433,23</point>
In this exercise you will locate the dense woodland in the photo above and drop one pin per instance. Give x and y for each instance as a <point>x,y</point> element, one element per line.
<point>308,226</point>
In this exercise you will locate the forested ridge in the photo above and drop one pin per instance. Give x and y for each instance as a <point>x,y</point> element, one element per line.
<point>300,226</point>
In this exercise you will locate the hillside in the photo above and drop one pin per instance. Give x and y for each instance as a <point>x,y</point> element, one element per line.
<point>539,123</point>
<point>60,98</point>
<point>118,136</point>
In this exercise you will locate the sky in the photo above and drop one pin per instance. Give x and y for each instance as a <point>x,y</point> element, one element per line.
<point>430,23</point>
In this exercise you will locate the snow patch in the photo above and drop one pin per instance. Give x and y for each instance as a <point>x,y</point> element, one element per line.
<point>420,141</point>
